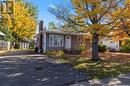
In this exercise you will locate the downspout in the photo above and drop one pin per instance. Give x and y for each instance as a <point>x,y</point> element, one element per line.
<point>44,41</point>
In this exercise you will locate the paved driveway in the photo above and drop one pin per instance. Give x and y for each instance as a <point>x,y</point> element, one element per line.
<point>37,70</point>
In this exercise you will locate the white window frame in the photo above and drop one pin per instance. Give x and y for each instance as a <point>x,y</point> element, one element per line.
<point>61,37</point>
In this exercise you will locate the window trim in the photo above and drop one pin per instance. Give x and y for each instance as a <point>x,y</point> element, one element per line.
<point>61,38</point>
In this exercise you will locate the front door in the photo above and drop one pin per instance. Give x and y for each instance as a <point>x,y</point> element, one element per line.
<point>68,42</point>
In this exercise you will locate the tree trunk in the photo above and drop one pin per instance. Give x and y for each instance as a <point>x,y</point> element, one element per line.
<point>95,55</point>
<point>17,45</point>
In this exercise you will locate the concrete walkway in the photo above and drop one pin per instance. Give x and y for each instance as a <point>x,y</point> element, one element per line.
<point>122,80</point>
<point>37,70</point>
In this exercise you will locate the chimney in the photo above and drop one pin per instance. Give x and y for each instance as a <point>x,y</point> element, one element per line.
<point>41,26</point>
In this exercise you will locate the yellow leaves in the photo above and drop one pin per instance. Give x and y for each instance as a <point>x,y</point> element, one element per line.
<point>21,23</point>
<point>96,26</point>
<point>127,1</point>
<point>76,1</point>
<point>78,11</point>
<point>24,23</point>
<point>92,1</point>
<point>103,15</point>
<point>78,18</point>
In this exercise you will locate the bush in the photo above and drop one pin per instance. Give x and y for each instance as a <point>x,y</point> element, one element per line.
<point>32,45</point>
<point>125,48</point>
<point>36,49</point>
<point>55,53</point>
<point>82,47</point>
<point>102,48</point>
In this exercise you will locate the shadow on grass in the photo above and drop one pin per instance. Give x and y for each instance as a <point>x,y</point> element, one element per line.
<point>101,69</point>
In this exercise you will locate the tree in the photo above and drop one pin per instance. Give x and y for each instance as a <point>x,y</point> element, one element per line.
<point>22,23</point>
<point>32,9</point>
<point>99,17</point>
<point>52,26</point>
<point>122,23</point>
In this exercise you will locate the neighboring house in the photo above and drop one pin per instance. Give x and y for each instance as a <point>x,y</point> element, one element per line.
<point>6,45</point>
<point>2,35</point>
<point>112,45</point>
<point>59,40</point>
<point>3,44</point>
<point>24,45</point>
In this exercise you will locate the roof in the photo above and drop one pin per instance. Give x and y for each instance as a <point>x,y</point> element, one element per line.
<point>66,33</point>
<point>63,33</point>
<point>2,34</point>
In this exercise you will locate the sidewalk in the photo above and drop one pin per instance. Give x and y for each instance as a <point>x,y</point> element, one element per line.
<point>122,80</point>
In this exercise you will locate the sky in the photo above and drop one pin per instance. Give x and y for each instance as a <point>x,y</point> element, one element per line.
<point>43,6</point>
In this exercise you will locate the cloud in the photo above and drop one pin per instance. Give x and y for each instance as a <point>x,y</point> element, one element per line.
<point>52,6</point>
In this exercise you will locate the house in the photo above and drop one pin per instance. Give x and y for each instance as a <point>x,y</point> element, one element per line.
<point>6,45</point>
<point>111,44</point>
<point>58,40</point>
<point>3,44</point>
<point>2,35</point>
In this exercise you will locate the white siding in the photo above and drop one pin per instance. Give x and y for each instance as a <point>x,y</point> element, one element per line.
<point>4,45</point>
<point>110,43</point>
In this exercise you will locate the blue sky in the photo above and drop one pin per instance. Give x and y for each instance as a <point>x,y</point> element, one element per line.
<point>43,6</point>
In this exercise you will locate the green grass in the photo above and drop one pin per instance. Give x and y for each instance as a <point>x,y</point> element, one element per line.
<point>100,69</point>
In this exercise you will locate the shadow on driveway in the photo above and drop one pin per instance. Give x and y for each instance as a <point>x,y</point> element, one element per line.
<point>37,70</point>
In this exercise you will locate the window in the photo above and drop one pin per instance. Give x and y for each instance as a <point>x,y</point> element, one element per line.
<point>56,40</point>
<point>112,41</point>
<point>81,39</point>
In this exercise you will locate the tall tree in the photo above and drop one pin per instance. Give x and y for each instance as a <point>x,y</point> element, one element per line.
<point>22,24</point>
<point>99,17</point>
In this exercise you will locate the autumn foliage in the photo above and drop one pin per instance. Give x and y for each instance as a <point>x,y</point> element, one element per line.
<point>21,24</point>
<point>101,18</point>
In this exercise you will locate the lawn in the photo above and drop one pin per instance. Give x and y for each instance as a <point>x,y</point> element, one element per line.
<point>112,64</point>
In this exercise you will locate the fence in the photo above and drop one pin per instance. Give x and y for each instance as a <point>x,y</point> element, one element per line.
<point>4,45</point>
<point>24,45</point>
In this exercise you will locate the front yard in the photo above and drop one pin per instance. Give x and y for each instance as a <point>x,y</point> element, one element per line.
<point>112,64</point>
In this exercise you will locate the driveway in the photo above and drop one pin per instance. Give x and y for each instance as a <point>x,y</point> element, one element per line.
<point>37,70</point>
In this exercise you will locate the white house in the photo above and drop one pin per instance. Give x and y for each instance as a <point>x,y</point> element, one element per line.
<point>112,45</point>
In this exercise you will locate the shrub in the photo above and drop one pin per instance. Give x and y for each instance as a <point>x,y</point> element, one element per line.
<point>102,48</point>
<point>82,47</point>
<point>32,45</point>
<point>36,49</point>
<point>55,53</point>
<point>125,48</point>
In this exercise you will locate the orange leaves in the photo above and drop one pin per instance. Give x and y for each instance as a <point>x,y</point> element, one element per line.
<point>104,16</point>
